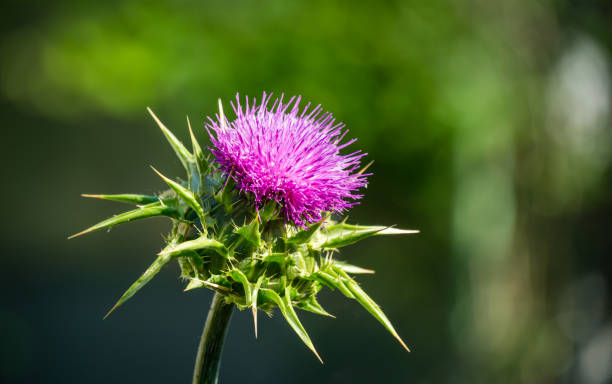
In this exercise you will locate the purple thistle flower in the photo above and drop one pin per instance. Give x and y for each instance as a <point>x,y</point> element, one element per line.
<point>288,156</point>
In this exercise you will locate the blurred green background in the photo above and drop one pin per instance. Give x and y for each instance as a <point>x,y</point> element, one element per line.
<point>490,126</point>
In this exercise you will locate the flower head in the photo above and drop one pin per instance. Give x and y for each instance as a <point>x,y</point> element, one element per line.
<point>274,154</point>
<point>279,153</point>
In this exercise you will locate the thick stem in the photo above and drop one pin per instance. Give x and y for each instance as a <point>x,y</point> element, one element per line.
<point>211,345</point>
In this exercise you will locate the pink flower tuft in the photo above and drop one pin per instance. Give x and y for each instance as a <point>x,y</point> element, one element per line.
<point>279,153</point>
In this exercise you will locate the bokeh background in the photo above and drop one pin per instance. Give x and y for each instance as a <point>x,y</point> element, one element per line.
<point>490,126</point>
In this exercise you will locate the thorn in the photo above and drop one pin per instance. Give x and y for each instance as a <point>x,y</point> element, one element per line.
<point>208,284</point>
<point>111,311</point>
<point>156,119</point>
<point>254,310</point>
<point>365,168</point>
<point>156,171</point>
<point>390,230</point>
<point>92,196</point>
<point>80,233</point>
<point>317,355</point>
<point>190,130</point>
<point>401,342</point>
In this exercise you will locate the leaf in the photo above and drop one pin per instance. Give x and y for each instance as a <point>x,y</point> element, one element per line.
<point>126,198</point>
<point>353,269</point>
<point>342,234</point>
<point>305,235</point>
<point>284,304</point>
<point>149,210</point>
<point>198,244</point>
<point>186,195</point>
<point>153,269</point>
<point>182,153</point>
<point>370,305</point>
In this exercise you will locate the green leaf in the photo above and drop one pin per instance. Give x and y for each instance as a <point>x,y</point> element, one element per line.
<point>342,234</point>
<point>126,198</point>
<point>186,195</point>
<point>284,304</point>
<point>201,243</point>
<point>305,235</point>
<point>149,210</point>
<point>353,269</point>
<point>369,305</point>
<point>157,265</point>
<point>182,153</point>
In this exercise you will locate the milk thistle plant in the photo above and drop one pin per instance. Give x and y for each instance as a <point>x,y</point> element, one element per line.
<point>252,219</point>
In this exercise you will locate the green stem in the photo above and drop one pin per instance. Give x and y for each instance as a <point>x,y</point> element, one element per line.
<point>207,363</point>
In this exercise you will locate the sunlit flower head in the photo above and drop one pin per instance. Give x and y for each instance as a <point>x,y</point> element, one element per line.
<point>290,156</point>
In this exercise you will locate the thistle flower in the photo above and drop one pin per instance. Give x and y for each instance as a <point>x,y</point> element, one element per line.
<point>291,157</point>
<point>254,225</point>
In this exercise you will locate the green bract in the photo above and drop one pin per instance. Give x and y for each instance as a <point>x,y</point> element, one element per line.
<point>256,260</point>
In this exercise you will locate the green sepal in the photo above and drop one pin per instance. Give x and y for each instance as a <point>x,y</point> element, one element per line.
<point>352,269</point>
<point>312,305</point>
<point>276,258</point>
<point>255,296</point>
<point>153,269</point>
<point>182,153</point>
<point>224,195</point>
<point>342,234</point>
<point>200,160</point>
<point>269,211</point>
<point>146,211</point>
<point>332,280</point>
<point>286,308</point>
<point>217,282</point>
<point>305,235</point>
<point>369,304</point>
<point>126,198</point>
<point>250,233</point>
<point>238,276</point>
<point>186,195</point>
<point>201,243</point>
